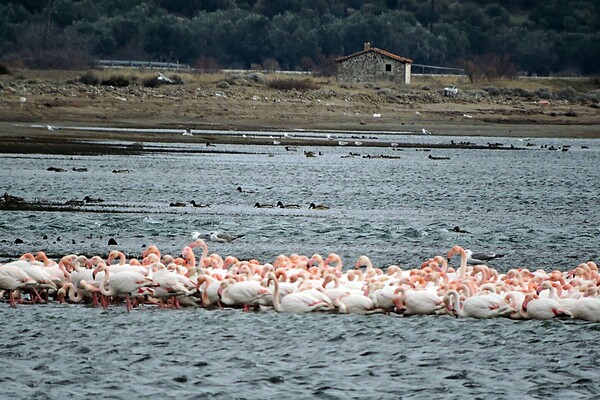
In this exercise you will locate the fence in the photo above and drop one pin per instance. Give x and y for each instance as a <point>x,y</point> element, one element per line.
<point>140,64</point>
<point>422,69</point>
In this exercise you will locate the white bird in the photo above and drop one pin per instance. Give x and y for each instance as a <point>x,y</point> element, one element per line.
<point>187,132</point>
<point>51,128</point>
<point>377,115</point>
<point>215,236</point>
<point>22,100</point>
<point>467,116</point>
<point>162,77</point>
<point>425,131</point>
<point>480,258</point>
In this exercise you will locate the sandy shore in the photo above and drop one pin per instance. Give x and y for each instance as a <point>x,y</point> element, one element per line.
<point>61,103</point>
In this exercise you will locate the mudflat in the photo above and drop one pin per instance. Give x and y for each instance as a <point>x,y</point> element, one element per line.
<point>43,107</point>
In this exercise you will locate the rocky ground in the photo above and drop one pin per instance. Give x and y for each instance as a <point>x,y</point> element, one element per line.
<point>246,101</point>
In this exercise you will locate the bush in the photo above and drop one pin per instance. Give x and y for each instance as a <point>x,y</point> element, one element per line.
<point>289,84</point>
<point>4,69</point>
<point>116,81</point>
<point>89,78</point>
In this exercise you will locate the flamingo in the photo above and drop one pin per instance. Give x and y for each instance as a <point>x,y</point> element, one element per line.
<point>534,307</point>
<point>412,302</point>
<point>476,306</point>
<point>360,304</point>
<point>297,302</point>
<point>12,278</point>
<point>123,283</point>
<point>242,293</point>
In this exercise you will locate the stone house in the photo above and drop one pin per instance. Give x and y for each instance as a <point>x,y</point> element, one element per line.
<point>373,65</point>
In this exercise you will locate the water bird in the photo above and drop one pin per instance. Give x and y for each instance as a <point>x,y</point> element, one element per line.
<point>425,131</point>
<point>215,236</point>
<point>437,158</point>
<point>51,128</point>
<point>188,132</point>
<point>239,189</point>
<point>120,171</point>
<point>177,204</point>
<point>12,199</point>
<point>163,78</point>
<point>80,169</point>
<point>377,115</point>
<point>458,229</point>
<point>89,199</point>
<point>314,206</point>
<point>258,205</point>
<point>23,100</point>
<point>480,258</point>
<point>281,205</point>
<point>74,202</point>
<point>202,205</point>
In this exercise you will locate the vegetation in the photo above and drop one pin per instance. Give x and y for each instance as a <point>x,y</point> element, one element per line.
<point>293,84</point>
<point>487,38</point>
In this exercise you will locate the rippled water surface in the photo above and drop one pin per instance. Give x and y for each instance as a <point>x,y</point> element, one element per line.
<point>538,207</point>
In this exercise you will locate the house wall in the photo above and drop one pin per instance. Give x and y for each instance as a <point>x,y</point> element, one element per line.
<point>371,67</point>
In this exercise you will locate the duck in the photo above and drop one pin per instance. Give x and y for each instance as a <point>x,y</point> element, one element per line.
<point>281,205</point>
<point>74,202</point>
<point>239,189</point>
<point>177,204</point>
<point>89,199</point>
<point>193,203</point>
<point>314,206</point>
<point>258,205</point>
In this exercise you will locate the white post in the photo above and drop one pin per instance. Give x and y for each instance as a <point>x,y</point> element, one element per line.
<point>407,73</point>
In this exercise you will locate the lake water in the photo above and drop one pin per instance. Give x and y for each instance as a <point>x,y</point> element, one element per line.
<point>539,208</point>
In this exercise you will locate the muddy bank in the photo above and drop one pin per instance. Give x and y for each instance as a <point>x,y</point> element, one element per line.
<point>205,103</point>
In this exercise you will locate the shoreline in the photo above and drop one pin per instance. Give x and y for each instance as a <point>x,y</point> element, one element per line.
<point>58,99</point>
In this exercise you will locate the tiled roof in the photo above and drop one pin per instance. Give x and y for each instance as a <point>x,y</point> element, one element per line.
<point>378,51</point>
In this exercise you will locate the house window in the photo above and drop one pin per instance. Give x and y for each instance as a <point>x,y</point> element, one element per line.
<point>388,67</point>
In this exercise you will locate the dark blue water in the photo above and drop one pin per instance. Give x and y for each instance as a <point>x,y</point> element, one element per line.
<point>540,208</point>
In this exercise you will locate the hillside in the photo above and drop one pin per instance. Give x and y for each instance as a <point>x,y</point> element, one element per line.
<point>487,38</point>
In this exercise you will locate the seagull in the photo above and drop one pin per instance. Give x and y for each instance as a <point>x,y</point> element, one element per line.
<point>467,116</point>
<point>188,132</point>
<point>23,100</point>
<point>480,258</point>
<point>51,128</point>
<point>425,131</point>
<point>215,236</point>
<point>377,115</point>
<point>162,77</point>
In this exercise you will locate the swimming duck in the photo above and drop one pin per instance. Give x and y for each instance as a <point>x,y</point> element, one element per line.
<point>177,204</point>
<point>193,203</point>
<point>281,205</point>
<point>258,205</point>
<point>318,206</point>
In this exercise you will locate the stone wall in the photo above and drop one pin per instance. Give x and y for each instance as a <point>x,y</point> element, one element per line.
<point>371,67</point>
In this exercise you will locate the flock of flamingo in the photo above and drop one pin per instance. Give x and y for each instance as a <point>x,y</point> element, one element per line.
<point>301,284</point>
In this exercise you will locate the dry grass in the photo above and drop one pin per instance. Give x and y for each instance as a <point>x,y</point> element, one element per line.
<point>195,79</point>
